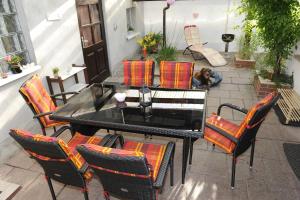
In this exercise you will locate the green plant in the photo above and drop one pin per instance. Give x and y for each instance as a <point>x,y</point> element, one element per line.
<point>55,70</point>
<point>278,26</point>
<point>246,48</point>
<point>13,60</point>
<point>167,53</point>
<point>150,41</point>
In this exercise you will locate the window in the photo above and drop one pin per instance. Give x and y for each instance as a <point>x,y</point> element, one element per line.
<point>130,15</point>
<point>12,40</point>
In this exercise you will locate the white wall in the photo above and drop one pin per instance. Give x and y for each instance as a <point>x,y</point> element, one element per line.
<point>55,43</point>
<point>119,47</point>
<point>209,15</point>
<point>294,67</point>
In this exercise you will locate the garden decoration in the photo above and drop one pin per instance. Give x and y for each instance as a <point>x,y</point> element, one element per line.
<point>14,63</point>
<point>169,3</point>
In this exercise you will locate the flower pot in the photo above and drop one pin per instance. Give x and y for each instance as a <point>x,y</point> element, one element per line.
<point>55,75</point>
<point>16,68</point>
<point>144,53</point>
<point>244,63</point>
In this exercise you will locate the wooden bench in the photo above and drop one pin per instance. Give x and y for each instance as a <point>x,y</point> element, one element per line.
<point>289,104</point>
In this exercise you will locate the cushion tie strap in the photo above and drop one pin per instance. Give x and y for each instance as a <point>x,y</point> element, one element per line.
<point>121,173</point>
<point>254,125</point>
<point>45,158</point>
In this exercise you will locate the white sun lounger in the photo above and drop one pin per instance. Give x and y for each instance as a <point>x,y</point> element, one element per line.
<point>195,46</point>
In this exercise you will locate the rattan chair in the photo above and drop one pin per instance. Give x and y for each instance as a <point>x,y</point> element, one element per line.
<point>60,161</point>
<point>135,172</point>
<point>176,74</point>
<point>236,139</point>
<point>139,72</point>
<point>40,102</point>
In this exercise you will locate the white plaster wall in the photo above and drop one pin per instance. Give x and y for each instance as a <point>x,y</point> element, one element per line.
<point>294,67</point>
<point>55,43</point>
<point>209,15</point>
<point>119,48</point>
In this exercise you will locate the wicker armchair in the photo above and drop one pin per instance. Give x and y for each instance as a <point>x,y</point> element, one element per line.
<point>138,72</point>
<point>60,161</point>
<point>176,74</point>
<point>236,139</point>
<point>135,172</point>
<point>40,102</point>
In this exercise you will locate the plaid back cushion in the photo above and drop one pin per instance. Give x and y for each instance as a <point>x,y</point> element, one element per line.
<point>138,72</point>
<point>176,74</point>
<point>37,95</point>
<point>252,111</point>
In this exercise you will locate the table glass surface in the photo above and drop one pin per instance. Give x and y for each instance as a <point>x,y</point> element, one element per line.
<point>171,109</point>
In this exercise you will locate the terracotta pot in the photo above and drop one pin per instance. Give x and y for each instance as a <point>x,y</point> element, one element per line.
<point>144,52</point>
<point>16,68</point>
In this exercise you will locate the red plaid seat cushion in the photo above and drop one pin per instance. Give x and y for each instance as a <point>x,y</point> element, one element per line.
<point>176,74</point>
<point>39,98</point>
<point>154,154</point>
<point>231,128</point>
<point>68,148</point>
<point>138,72</point>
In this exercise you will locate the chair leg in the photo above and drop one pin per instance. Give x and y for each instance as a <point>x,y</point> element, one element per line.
<point>54,128</point>
<point>44,131</point>
<point>233,172</point>
<point>51,188</point>
<point>172,169</point>
<point>252,154</point>
<point>86,195</point>
<point>191,152</point>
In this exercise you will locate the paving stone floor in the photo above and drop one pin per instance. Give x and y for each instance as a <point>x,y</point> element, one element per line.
<point>208,178</point>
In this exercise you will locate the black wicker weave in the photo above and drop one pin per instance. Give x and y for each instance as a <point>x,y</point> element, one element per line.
<point>126,186</point>
<point>248,137</point>
<point>59,167</point>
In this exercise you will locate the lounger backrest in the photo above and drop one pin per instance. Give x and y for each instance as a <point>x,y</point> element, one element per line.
<point>192,35</point>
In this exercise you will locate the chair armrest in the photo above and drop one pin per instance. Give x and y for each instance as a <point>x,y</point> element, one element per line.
<point>223,133</point>
<point>42,114</point>
<point>61,130</point>
<point>243,110</point>
<point>106,140</point>
<point>63,93</point>
<point>112,141</point>
<point>204,43</point>
<point>164,165</point>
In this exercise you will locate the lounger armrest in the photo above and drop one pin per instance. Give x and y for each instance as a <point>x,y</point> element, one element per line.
<point>243,110</point>
<point>223,133</point>
<point>104,142</point>
<point>61,130</point>
<point>164,165</point>
<point>42,115</point>
<point>112,141</point>
<point>63,93</point>
<point>83,168</point>
<point>205,43</point>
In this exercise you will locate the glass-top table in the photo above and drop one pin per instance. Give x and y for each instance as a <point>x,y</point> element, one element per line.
<point>175,113</point>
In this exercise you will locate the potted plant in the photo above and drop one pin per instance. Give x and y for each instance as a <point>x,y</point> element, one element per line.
<point>247,44</point>
<point>55,71</point>
<point>167,53</point>
<point>150,42</point>
<point>278,28</point>
<point>14,63</point>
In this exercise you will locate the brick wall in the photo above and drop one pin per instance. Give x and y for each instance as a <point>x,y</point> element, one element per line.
<point>263,88</point>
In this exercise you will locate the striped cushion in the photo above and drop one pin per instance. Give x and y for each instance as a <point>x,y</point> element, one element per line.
<point>154,153</point>
<point>138,73</point>
<point>217,138</point>
<point>69,148</point>
<point>37,95</point>
<point>176,74</point>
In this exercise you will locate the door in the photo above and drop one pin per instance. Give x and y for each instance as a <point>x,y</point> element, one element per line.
<point>92,32</point>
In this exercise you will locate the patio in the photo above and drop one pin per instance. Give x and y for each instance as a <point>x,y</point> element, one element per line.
<point>209,175</point>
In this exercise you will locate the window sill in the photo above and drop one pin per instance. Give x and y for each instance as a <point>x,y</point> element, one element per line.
<point>13,77</point>
<point>131,35</point>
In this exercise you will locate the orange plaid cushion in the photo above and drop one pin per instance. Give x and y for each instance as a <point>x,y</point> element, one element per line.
<point>69,148</point>
<point>176,74</point>
<point>217,138</point>
<point>138,72</point>
<point>34,90</point>
<point>154,153</point>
